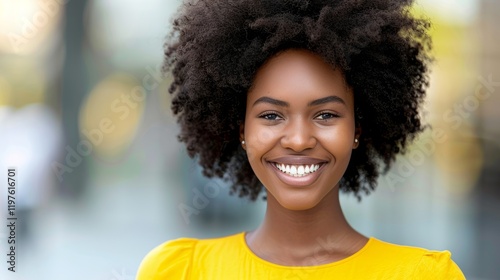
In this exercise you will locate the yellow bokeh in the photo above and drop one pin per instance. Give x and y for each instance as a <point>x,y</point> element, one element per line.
<point>5,92</point>
<point>110,116</point>
<point>453,79</point>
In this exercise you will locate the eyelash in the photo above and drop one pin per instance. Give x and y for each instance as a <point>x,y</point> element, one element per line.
<point>267,114</point>
<point>333,115</point>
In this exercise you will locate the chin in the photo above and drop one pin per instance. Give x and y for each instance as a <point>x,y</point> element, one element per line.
<point>298,203</point>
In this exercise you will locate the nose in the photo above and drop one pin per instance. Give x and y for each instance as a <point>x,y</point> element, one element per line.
<point>298,136</point>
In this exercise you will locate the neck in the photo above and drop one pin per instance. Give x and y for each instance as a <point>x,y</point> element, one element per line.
<point>297,235</point>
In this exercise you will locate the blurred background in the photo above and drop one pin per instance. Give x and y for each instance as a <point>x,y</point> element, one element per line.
<point>84,117</point>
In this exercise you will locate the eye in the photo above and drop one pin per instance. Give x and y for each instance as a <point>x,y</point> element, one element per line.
<point>326,116</point>
<point>270,116</point>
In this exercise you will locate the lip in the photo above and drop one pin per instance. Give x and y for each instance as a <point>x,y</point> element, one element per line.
<point>298,181</point>
<point>297,160</point>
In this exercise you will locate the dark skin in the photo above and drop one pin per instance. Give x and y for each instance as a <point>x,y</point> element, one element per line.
<point>300,113</point>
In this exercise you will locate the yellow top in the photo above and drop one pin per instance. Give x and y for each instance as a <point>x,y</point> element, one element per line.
<point>230,258</point>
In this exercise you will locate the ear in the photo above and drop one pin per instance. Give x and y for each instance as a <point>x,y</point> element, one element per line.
<point>242,134</point>
<point>357,135</point>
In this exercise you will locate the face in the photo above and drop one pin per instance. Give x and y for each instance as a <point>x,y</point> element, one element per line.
<point>299,128</point>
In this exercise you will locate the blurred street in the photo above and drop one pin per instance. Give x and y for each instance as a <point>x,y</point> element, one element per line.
<point>101,178</point>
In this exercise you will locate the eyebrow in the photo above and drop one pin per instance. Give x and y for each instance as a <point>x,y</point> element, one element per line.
<point>316,102</point>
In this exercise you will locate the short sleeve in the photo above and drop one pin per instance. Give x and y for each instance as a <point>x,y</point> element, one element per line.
<point>438,265</point>
<point>170,260</point>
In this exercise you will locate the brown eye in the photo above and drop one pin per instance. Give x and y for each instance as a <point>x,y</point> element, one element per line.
<point>326,116</point>
<point>270,116</point>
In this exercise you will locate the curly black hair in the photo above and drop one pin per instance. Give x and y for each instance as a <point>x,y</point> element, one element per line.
<point>217,46</point>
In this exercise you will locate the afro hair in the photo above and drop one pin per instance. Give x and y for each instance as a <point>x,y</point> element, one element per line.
<point>217,46</point>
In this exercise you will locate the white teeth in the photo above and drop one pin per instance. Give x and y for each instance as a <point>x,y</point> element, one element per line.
<point>297,170</point>
<point>300,170</point>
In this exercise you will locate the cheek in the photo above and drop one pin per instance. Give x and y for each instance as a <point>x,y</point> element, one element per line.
<point>336,137</point>
<point>339,140</point>
<point>259,140</point>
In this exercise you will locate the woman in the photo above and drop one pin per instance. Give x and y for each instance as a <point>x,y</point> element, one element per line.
<point>304,99</point>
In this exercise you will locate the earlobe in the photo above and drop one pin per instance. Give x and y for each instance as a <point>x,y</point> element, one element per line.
<point>242,135</point>
<point>357,134</point>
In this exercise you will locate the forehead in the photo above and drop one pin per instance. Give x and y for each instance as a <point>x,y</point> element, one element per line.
<point>299,73</point>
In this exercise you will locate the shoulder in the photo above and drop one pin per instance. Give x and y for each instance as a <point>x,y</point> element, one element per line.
<point>170,260</point>
<point>174,259</point>
<point>438,265</point>
<point>418,262</point>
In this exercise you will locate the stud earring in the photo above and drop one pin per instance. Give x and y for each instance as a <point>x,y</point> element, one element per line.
<point>356,140</point>
<point>243,142</point>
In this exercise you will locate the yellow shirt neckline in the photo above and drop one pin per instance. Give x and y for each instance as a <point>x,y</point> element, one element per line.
<point>241,238</point>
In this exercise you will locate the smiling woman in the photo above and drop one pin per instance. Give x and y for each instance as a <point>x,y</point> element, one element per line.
<point>299,117</point>
<point>303,99</point>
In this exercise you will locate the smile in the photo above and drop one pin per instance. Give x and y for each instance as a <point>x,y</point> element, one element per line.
<point>298,175</point>
<point>296,170</point>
